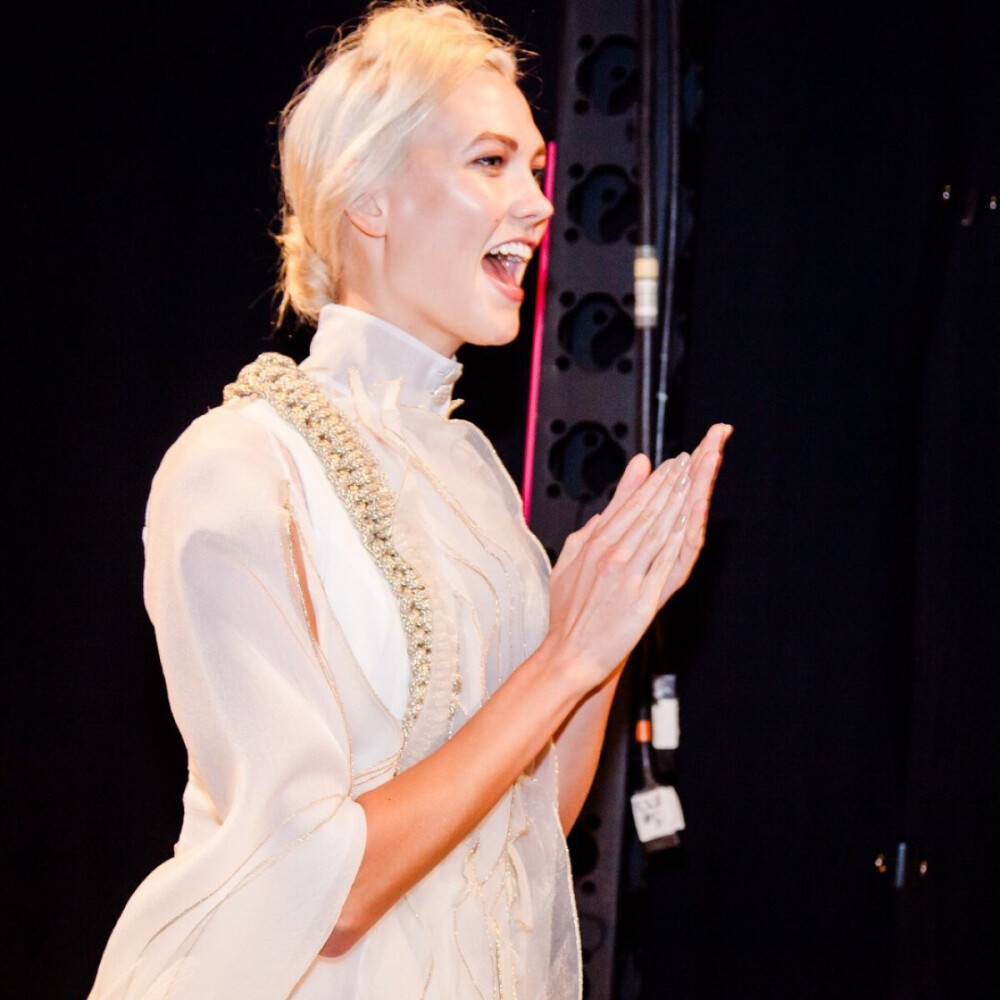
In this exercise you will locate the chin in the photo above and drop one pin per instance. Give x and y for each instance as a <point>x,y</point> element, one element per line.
<point>500,333</point>
<point>499,339</point>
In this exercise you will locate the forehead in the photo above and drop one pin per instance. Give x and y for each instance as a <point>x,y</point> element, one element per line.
<point>485,102</point>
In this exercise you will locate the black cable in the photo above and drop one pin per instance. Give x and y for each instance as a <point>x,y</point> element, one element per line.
<point>646,266</point>
<point>672,175</point>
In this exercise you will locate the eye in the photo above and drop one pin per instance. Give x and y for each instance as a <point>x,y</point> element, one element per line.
<point>539,173</point>
<point>493,161</point>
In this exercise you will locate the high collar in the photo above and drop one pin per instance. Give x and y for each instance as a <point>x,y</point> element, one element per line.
<point>347,338</point>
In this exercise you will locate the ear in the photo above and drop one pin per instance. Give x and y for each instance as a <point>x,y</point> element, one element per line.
<point>368,213</point>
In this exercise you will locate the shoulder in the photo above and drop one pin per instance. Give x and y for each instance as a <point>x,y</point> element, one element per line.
<point>223,469</point>
<point>220,446</point>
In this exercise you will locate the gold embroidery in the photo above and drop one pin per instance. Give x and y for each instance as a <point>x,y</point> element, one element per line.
<point>360,483</point>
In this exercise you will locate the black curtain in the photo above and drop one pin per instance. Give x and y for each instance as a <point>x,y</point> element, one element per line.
<point>838,648</point>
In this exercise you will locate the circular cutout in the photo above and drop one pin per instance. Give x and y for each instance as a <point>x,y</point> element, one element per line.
<point>586,460</point>
<point>609,75</point>
<point>595,332</point>
<point>604,204</point>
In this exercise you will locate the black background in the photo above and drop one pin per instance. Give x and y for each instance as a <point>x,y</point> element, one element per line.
<point>837,647</point>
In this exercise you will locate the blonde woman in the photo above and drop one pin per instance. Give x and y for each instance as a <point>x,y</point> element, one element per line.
<point>393,708</point>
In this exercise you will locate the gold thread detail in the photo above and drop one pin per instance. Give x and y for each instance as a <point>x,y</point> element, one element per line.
<point>360,483</point>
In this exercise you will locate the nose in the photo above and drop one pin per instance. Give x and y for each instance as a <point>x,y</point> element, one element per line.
<point>531,204</point>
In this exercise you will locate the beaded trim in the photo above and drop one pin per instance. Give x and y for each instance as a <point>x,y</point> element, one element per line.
<point>360,483</point>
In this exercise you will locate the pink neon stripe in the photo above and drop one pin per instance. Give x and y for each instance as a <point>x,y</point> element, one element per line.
<point>538,333</point>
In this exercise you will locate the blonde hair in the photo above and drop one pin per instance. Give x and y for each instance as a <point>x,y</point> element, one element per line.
<point>346,127</point>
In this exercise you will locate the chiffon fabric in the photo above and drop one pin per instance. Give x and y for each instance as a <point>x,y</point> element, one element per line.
<point>286,666</point>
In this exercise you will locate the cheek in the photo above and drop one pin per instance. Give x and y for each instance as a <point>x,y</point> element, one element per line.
<point>470,209</point>
<point>440,231</point>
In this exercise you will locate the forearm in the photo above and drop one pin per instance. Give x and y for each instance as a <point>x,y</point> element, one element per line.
<point>578,748</point>
<point>415,819</point>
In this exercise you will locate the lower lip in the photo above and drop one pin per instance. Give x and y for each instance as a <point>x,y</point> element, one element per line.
<point>513,292</point>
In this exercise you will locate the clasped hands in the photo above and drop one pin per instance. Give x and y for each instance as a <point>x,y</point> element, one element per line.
<point>617,571</point>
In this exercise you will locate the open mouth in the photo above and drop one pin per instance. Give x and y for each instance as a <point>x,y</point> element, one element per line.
<point>506,264</point>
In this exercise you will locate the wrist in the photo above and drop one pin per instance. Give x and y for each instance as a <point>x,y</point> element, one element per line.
<point>567,668</point>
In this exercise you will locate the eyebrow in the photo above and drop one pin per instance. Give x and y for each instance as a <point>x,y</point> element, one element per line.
<point>507,141</point>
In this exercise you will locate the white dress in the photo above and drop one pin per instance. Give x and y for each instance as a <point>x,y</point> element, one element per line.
<point>289,677</point>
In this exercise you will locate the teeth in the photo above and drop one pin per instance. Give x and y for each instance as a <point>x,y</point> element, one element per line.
<point>513,249</point>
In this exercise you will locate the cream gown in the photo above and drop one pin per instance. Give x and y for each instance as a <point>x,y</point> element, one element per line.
<point>289,676</point>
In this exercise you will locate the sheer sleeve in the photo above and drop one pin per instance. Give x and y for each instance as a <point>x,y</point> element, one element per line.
<point>272,839</point>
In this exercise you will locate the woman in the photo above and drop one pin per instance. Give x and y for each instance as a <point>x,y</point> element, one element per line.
<point>352,617</point>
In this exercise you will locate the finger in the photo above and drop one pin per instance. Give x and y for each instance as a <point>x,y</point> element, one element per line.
<point>661,490</point>
<point>691,548</point>
<point>636,473</point>
<point>714,441</point>
<point>658,528</point>
<point>645,503</point>
<point>678,536</point>
<point>670,509</point>
<point>705,470</point>
<point>693,535</point>
<point>649,524</point>
<point>706,459</point>
<point>674,564</point>
<point>574,543</point>
<point>604,548</point>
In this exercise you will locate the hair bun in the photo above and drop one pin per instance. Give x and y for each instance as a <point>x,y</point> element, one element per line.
<point>305,279</point>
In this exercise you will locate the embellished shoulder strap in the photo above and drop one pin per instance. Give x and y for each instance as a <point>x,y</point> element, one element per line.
<point>360,483</point>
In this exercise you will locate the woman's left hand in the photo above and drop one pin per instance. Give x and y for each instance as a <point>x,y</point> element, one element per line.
<point>617,571</point>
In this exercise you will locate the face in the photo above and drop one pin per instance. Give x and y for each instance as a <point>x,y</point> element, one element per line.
<point>461,219</point>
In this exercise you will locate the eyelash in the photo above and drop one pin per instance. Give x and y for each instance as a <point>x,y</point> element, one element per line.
<point>495,161</point>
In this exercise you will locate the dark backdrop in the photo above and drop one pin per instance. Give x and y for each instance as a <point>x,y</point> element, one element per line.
<point>837,648</point>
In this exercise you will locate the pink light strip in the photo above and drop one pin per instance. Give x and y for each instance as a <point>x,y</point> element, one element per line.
<point>538,334</point>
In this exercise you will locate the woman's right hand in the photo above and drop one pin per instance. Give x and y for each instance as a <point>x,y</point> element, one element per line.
<point>622,566</point>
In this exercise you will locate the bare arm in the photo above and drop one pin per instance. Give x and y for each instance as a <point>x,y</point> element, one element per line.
<point>613,577</point>
<point>416,818</point>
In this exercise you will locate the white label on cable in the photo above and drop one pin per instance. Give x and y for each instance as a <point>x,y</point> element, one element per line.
<point>666,720</point>
<point>657,812</point>
<point>646,306</point>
